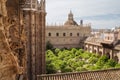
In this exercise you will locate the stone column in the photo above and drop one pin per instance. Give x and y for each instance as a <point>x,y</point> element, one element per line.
<point>92,48</point>
<point>97,49</point>
<point>88,48</point>
<point>103,52</point>
<point>111,54</point>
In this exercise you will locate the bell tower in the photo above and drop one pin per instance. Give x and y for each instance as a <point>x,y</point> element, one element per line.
<point>34,15</point>
<point>70,15</point>
<point>70,20</point>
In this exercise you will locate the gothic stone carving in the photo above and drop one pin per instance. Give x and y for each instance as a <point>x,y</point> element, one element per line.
<point>8,61</point>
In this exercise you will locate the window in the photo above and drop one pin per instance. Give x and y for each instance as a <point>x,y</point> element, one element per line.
<point>49,34</point>
<point>70,34</point>
<point>77,34</point>
<point>64,34</point>
<point>57,34</point>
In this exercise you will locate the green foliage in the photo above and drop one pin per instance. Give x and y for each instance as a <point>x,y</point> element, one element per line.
<point>86,55</point>
<point>117,66</point>
<point>81,69</point>
<point>50,68</point>
<point>102,60</point>
<point>67,69</point>
<point>76,60</point>
<point>109,64</point>
<point>73,50</point>
<point>57,51</point>
<point>93,59</point>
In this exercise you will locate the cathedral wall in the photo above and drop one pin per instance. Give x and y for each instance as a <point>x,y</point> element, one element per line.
<point>63,36</point>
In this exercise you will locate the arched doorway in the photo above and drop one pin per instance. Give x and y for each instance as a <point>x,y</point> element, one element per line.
<point>86,48</point>
<point>100,53</point>
<point>116,58</point>
<point>108,55</point>
<point>94,51</point>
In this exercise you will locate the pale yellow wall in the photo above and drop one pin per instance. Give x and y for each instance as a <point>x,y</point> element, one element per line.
<point>118,55</point>
<point>110,36</point>
<point>66,41</point>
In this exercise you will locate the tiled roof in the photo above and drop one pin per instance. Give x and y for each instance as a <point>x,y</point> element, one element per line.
<point>97,41</point>
<point>94,40</point>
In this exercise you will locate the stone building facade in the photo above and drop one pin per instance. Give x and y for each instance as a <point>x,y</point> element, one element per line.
<point>68,35</point>
<point>107,43</point>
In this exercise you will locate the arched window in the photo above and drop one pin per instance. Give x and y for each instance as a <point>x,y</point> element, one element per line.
<point>49,34</point>
<point>70,34</point>
<point>64,34</point>
<point>77,34</point>
<point>57,34</point>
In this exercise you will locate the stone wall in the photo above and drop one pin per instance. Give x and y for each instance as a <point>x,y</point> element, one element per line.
<point>99,49</point>
<point>67,36</point>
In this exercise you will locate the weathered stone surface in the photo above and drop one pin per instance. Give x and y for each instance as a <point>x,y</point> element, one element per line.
<point>8,62</point>
<point>22,33</point>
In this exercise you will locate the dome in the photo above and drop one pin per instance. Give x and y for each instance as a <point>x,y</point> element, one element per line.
<point>70,20</point>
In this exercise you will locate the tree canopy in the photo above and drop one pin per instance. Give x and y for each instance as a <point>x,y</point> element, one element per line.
<point>74,60</point>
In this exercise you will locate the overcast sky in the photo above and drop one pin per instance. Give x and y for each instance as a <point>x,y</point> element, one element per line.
<point>100,13</point>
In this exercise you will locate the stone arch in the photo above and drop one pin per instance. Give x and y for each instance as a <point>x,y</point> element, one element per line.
<point>94,51</point>
<point>108,55</point>
<point>90,48</point>
<point>100,53</point>
<point>85,48</point>
<point>116,58</point>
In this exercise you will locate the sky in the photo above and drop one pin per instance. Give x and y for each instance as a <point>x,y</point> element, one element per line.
<point>102,14</point>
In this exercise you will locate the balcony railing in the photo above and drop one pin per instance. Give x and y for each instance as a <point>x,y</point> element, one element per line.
<point>111,74</point>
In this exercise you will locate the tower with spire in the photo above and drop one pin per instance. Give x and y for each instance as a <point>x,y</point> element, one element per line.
<point>70,15</point>
<point>34,14</point>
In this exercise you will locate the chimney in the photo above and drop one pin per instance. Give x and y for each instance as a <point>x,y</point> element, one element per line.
<point>81,22</point>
